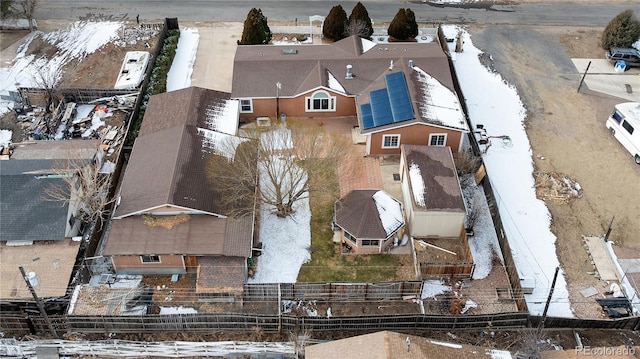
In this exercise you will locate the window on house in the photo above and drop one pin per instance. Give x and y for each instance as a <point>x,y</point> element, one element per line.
<point>390,141</point>
<point>246,105</point>
<point>350,237</point>
<point>321,101</point>
<point>438,139</point>
<point>150,259</point>
<point>370,242</point>
<point>627,127</point>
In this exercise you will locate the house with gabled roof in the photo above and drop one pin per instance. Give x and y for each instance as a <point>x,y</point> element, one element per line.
<point>37,232</point>
<point>402,93</point>
<point>369,221</point>
<point>168,218</point>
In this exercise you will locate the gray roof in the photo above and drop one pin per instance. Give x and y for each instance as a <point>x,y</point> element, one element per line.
<point>60,150</point>
<point>24,214</point>
<point>438,171</point>
<point>168,161</point>
<point>357,213</point>
<point>257,68</point>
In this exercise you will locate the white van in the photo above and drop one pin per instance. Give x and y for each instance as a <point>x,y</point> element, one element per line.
<point>624,124</point>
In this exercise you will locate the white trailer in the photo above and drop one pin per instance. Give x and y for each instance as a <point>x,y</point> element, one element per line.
<point>624,124</point>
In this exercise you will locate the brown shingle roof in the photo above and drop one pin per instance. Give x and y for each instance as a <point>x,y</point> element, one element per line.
<point>387,345</point>
<point>220,274</point>
<point>257,68</point>
<point>167,165</point>
<point>357,214</point>
<point>201,235</point>
<point>438,172</point>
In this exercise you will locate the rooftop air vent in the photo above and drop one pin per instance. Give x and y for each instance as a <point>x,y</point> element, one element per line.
<point>289,51</point>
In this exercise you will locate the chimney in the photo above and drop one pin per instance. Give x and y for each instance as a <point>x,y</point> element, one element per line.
<point>391,65</point>
<point>349,75</point>
<point>410,64</point>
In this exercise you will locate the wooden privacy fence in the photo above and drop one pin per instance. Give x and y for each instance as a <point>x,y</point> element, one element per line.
<point>332,291</point>
<point>457,270</point>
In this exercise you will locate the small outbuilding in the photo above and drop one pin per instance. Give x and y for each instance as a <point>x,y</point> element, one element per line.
<point>369,221</point>
<point>432,195</point>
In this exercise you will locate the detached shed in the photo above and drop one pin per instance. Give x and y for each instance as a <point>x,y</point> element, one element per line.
<point>369,220</point>
<point>431,190</point>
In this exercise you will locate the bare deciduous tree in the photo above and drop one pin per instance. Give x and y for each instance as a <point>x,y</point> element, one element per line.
<point>83,187</point>
<point>290,161</point>
<point>358,28</point>
<point>21,8</point>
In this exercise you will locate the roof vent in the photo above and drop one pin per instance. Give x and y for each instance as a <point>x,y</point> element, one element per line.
<point>289,51</point>
<point>349,75</point>
<point>391,65</point>
<point>410,64</point>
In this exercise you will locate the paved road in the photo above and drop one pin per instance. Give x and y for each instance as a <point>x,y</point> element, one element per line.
<point>379,10</point>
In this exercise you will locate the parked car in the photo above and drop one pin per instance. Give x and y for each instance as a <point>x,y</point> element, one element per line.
<point>629,55</point>
<point>623,123</point>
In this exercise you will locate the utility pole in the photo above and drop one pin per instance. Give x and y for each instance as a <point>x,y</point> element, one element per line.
<point>606,236</point>
<point>546,306</point>
<point>43,313</point>
<point>583,76</point>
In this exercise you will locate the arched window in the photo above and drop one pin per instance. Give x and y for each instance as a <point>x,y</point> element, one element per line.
<point>320,101</point>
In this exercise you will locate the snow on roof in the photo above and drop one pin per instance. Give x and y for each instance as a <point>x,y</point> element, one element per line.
<point>223,118</point>
<point>219,136</point>
<point>439,104</point>
<point>417,184</point>
<point>367,45</point>
<point>389,210</point>
<point>334,84</point>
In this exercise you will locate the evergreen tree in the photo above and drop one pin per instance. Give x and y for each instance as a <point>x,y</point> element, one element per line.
<point>403,27</point>
<point>623,30</point>
<point>360,22</point>
<point>335,23</point>
<point>256,31</point>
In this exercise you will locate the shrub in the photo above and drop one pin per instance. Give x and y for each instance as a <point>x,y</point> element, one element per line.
<point>623,30</point>
<point>335,23</point>
<point>360,22</point>
<point>403,27</point>
<point>256,30</point>
<point>157,80</point>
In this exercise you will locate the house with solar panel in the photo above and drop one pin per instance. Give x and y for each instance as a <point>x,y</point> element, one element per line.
<point>401,93</point>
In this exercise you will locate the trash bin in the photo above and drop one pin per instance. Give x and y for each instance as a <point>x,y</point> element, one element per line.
<point>283,117</point>
<point>620,66</point>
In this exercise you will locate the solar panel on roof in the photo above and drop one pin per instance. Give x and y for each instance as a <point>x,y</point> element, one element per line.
<point>367,117</point>
<point>399,100</point>
<point>380,107</point>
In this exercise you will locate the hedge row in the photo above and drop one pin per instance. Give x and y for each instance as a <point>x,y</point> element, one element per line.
<point>157,81</point>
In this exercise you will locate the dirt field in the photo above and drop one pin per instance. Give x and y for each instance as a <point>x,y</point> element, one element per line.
<point>567,135</point>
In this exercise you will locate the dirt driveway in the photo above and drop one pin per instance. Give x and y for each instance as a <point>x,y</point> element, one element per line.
<point>568,136</point>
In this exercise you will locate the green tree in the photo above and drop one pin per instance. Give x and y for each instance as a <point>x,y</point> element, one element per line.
<point>360,22</point>
<point>403,27</point>
<point>335,24</point>
<point>623,30</point>
<point>256,31</point>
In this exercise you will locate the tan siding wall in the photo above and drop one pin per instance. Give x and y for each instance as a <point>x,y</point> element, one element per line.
<point>295,107</point>
<point>413,135</point>
<point>134,264</point>
<point>436,224</point>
